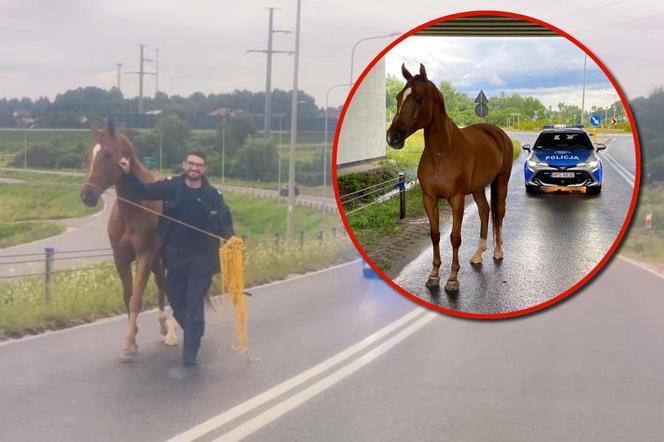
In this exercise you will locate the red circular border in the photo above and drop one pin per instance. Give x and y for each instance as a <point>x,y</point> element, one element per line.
<point>576,286</point>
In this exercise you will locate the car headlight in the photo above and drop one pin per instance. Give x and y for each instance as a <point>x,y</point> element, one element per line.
<point>592,164</point>
<point>533,163</point>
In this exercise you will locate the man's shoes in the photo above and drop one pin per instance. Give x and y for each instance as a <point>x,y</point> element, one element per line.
<point>189,362</point>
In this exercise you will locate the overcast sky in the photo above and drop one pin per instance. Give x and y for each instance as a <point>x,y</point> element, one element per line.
<point>549,69</point>
<point>51,46</point>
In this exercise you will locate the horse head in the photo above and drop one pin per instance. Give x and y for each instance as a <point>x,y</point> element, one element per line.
<point>415,107</point>
<point>103,157</point>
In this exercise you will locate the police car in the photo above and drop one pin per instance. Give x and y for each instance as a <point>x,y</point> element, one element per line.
<point>563,157</point>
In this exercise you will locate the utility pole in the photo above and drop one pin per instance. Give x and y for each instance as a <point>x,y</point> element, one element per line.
<point>141,72</point>
<point>583,94</point>
<point>293,134</point>
<point>268,76</point>
<point>156,71</point>
<point>119,81</point>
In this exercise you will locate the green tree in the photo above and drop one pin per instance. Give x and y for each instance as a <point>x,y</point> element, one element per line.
<point>257,160</point>
<point>392,87</point>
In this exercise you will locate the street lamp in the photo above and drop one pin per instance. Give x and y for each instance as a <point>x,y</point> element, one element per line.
<point>352,54</point>
<point>327,105</point>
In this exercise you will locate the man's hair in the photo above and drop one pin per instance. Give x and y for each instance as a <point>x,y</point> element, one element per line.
<point>196,152</point>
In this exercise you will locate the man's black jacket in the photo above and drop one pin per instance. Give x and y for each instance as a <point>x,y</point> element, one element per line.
<point>171,190</point>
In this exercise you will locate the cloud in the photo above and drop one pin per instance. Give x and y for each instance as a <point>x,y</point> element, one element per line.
<point>550,69</point>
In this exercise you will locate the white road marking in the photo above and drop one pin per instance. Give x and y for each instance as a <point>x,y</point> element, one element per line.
<point>270,415</point>
<point>284,387</point>
<point>642,266</point>
<point>622,171</point>
<point>144,313</point>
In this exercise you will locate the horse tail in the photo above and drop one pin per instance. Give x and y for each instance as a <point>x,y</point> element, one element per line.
<point>494,204</point>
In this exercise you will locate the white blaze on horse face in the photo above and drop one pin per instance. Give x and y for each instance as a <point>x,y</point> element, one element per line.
<point>95,151</point>
<point>406,93</point>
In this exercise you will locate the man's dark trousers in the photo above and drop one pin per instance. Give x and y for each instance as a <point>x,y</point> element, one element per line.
<point>188,278</point>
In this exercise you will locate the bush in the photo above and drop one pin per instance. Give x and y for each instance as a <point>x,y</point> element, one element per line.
<point>42,156</point>
<point>69,161</point>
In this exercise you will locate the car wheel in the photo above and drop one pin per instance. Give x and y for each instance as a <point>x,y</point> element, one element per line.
<point>593,190</point>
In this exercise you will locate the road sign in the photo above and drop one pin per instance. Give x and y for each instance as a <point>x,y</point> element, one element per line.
<point>481,110</point>
<point>481,98</point>
<point>595,120</point>
<point>150,162</point>
<point>614,121</point>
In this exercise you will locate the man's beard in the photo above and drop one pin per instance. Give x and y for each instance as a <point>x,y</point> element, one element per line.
<point>193,177</point>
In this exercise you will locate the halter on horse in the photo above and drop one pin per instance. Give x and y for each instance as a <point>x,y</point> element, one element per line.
<point>132,230</point>
<point>455,162</point>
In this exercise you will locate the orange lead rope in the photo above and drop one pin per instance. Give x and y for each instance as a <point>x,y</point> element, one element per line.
<point>231,257</point>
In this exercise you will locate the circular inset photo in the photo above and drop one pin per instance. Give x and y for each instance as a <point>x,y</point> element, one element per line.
<point>487,164</point>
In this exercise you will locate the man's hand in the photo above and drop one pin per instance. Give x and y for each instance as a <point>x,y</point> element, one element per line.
<point>233,240</point>
<point>124,165</point>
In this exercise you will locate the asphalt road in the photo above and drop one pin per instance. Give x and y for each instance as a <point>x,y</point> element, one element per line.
<point>551,241</point>
<point>345,358</point>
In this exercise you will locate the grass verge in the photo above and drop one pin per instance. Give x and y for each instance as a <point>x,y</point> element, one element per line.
<point>639,242</point>
<point>85,295</point>
<point>19,233</point>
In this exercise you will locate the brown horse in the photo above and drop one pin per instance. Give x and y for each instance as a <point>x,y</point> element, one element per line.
<point>455,162</point>
<point>132,230</point>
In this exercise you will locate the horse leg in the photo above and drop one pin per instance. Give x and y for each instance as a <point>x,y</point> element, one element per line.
<point>431,208</point>
<point>457,203</point>
<point>143,267</point>
<point>483,209</point>
<point>123,267</point>
<point>499,208</point>
<point>167,324</point>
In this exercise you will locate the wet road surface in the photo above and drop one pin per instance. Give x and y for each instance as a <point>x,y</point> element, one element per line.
<point>344,358</point>
<point>551,241</point>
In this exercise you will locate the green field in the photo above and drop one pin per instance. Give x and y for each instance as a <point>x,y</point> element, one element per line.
<point>49,196</point>
<point>26,208</point>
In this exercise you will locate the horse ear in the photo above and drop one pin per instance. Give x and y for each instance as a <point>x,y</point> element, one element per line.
<point>407,75</point>
<point>423,72</point>
<point>110,127</point>
<point>94,129</point>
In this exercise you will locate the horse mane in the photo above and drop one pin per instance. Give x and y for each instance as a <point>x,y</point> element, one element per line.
<point>135,163</point>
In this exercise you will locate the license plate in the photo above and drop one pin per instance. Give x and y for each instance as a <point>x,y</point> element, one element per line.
<point>562,174</point>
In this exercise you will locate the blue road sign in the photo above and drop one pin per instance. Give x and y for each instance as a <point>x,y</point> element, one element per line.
<point>595,120</point>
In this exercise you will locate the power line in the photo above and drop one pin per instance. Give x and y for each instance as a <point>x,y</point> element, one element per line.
<point>268,76</point>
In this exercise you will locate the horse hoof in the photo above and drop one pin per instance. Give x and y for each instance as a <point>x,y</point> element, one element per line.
<point>476,260</point>
<point>171,341</point>
<point>433,282</point>
<point>452,287</point>
<point>127,356</point>
<point>498,256</point>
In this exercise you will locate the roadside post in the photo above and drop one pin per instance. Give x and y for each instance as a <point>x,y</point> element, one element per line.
<point>402,195</point>
<point>595,120</point>
<point>48,269</point>
<point>648,223</point>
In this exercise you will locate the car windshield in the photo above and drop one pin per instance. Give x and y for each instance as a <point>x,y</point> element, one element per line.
<point>563,140</point>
